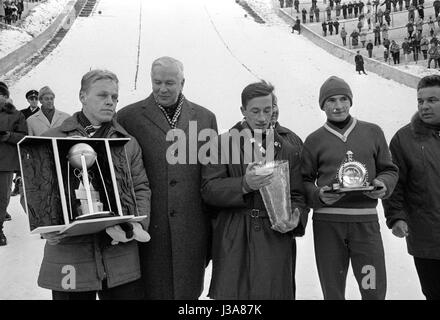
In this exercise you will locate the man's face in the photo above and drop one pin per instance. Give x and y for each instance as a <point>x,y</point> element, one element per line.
<point>428,101</point>
<point>99,101</point>
<point>47,101</point>
<point>337,107</point>
<point>167,84</point>
<point>258,112</point>
<point>33,101</point>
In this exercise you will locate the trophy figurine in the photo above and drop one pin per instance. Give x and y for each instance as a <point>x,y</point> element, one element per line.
<point>352,176</point>
<point>82,157</point>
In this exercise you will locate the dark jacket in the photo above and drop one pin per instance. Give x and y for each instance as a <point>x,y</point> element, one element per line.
<point>13,124</point>
<point>250,260</point>
<point>93,256</point>
<point>173,262</point>
<point>28,112</point>
<point>416,198</point>
<point>359,61</point>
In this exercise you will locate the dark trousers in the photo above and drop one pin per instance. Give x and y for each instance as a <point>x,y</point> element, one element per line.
<point>129,291</point>
<point>338,243</point>
<point>5,194</point>
<point>396,57</point>
<point>428,271</point>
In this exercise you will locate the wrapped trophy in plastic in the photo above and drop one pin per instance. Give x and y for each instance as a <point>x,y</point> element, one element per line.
<point>276,196</point>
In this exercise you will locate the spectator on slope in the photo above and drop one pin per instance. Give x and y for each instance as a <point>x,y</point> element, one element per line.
<point>338,9</point>
<point>304,15</point>
<point>344,10</point>
<point>421,11</point>
<point>361,7</point>
<point>360,25</point>
<point>410,28</point>
<point>20,7</point>
<point>296,5</point>
<point>330,27</point>
<point>370,49</point>
<point>433,54</point>
<point>363,37</point>
<point>424,45</point>
<point>412,210</point>
<point>344,36</point>
<point>379,16</point>
<point>419,25</point>
<point>414,47</point>
<point>395,52</point>
<point>350,9</point>
<point>386,55</point>
<point>297,26</point>
<point>411,13</point>
<point>386,43</point>
<point>48,116</point>
<point>406,49</point>
<point>354,38</point>
<point>376,32</point>
<point>359,62</point>
<point>431,26</point>
<point>336,26</point>
<point>387,16</point>
<point>316,11</point>
<point>328,10</point>
<point>368,18</point>
<point>324,28</point>
<point>312,14</point>
<point>355,9</point>
<point>385,31</point>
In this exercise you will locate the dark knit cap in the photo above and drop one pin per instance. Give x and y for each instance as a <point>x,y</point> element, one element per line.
<point>334,86</point>
<point>4,90</point>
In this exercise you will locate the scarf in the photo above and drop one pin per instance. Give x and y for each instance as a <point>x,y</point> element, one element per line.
<point>100,132</point>
<point>172,113</point>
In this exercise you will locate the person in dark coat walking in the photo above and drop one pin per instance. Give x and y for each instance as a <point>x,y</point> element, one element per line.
<point>106,263</point>
<point>324,28</point>
<point>243,237</point>
<point>297,26</point>
<point>173,262</point>
<point>370,49</point>
<point>412,211</point>
<point>359,62</point>
<point>304,15</point>
<point>12,129</point>
<point>345,225</point>
<point>336,25</point>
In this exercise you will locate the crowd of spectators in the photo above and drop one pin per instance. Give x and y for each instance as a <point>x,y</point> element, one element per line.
<point>11,11</point>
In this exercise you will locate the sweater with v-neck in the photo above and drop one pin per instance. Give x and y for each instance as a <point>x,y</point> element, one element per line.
<point>325,151</point>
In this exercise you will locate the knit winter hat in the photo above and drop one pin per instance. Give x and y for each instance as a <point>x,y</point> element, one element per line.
<point>334,86</point>
<point>4,90</point>
<point>45,90</point>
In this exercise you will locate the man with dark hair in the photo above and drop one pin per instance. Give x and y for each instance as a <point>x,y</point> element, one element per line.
<point>243,237</point>
<point>345,225</point>
<point>12,130</point>
<point>174,261</point>
<point>412,211</point>
<point>105,263</point>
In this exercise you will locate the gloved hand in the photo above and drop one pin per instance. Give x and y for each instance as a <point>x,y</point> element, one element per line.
<point>129,231</point>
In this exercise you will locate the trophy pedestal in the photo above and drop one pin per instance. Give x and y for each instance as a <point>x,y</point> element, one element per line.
<point>353,190</point>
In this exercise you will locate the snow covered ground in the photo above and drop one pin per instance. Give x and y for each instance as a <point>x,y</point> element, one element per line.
<point>40,17</point>
<point>222,51</point>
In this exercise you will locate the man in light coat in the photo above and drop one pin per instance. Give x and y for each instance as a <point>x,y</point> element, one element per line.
<point>47,117</point>
<point>173,262</point>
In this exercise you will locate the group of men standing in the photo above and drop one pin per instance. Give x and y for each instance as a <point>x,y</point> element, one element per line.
<point>203,210</point>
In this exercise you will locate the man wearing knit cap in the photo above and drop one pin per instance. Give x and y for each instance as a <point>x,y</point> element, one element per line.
<point>345,225</point>
<point>48,117</point>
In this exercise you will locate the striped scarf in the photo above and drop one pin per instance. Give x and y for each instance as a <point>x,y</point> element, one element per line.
<point>172,121</point>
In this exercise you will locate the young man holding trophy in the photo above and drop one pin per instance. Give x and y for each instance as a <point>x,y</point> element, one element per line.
<point>255,183</point>
<point>106,262</point>
<point>346,167</point>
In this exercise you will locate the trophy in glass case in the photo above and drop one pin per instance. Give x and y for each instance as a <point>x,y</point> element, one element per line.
<point>82,157</point>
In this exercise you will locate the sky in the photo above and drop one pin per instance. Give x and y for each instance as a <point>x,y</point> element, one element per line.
<point>223,49</point>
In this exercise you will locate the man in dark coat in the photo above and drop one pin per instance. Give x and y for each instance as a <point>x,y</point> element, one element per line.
<point>32,98</point>
<point>359,61</point>
<point>12,129</point>
<point>244,238</point>
<point>174,261</point>
<point>107,263</point>
<point>412,211</point>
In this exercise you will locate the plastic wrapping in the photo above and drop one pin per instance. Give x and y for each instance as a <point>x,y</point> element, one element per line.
<point>276,196</point>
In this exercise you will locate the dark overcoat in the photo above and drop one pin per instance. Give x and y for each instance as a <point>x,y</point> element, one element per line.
<point>250,260</point>
<point>174,261</point>
<point>416,198</point>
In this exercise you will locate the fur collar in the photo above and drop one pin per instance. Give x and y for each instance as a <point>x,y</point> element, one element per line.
<point>419,128</point>
<point>7,107</point>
